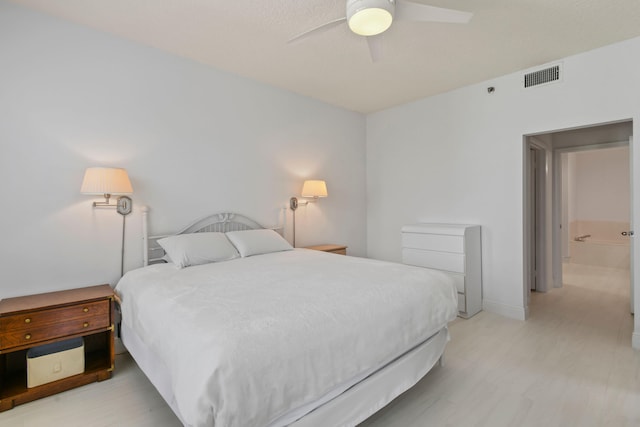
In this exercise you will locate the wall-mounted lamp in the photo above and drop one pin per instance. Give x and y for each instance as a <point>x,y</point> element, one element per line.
<point>312,189</point>
<point>105,182</point>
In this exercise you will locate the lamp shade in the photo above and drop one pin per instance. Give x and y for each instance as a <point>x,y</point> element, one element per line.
<point>314,188</point>
<point>106,181</point>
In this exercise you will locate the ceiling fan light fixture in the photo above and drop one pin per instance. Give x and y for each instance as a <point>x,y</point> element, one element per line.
<point>370,17</point>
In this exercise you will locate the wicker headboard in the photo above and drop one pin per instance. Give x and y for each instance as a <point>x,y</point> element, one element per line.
<point>220,222</point>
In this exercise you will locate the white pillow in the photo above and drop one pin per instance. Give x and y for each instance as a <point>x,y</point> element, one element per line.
<point>198,248</point>
<point>256,242</point>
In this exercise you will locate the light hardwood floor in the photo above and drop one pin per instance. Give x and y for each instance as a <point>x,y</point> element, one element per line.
<point>570,364</point>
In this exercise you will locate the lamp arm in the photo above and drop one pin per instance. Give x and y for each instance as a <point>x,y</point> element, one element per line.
<point>293,205</point>
<point>105,203</point>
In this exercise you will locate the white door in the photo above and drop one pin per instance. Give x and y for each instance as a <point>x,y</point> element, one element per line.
<point>533,230</point>
<point>631,238</point>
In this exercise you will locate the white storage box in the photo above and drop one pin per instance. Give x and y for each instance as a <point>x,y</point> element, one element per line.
<point>51,362</point>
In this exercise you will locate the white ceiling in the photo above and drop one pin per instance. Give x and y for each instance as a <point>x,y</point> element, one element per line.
<point>249,37</point>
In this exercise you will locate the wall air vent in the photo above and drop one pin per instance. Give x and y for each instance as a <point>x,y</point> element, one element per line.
<point>548,75</point>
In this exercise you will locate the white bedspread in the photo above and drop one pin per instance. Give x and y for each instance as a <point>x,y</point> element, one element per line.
<point>248,340</point>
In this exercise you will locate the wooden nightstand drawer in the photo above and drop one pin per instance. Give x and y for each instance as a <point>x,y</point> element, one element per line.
<point>40,319</point>
<point>34,334</point>
<point>33,320</point>
<point>339,251</point>
<point>334,249</point>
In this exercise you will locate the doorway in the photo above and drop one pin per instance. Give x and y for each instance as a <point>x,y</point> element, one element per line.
<point>549,227</point>
<point>595,243</point>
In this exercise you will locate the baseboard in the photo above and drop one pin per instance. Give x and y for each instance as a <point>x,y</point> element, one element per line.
<point>635,340</point>
<point>510,311</point>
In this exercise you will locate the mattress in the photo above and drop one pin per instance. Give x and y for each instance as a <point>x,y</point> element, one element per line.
<point>261,341</point>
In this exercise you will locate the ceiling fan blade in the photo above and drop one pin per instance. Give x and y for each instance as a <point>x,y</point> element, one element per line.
<point>407,10</point>
<point>318,29</point>
<point>375,47</point>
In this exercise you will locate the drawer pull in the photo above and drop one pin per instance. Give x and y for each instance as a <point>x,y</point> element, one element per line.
<point>27,320</point>
<point>27,337</point>
<point>86,309</point>
<point>85,325</point>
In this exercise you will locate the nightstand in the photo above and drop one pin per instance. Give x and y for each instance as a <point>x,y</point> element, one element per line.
<point>34,320</point>
<point>334,249</point>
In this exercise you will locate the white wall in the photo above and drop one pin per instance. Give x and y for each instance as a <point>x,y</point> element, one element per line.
<point>194,140</point>
<point>600,179</point>
<point>458,157</point>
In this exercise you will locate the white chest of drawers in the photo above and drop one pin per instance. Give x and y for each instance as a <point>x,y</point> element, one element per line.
<point>453,248</point>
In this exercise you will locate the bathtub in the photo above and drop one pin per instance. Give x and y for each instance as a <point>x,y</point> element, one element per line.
<point>605,246</point>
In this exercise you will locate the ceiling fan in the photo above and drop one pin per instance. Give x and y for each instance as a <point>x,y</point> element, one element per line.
<point>372,17</point>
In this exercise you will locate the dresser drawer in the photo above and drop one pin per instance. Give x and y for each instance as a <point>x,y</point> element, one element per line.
<point>462,303</point>
<point>431,259</point>
<point>458,279</point>
<point>451,248</point>
<point>39,319</point>
<point>433,242</point>
<point>52,331</point>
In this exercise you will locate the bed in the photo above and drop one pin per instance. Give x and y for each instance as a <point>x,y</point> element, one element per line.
<point>287,337</point>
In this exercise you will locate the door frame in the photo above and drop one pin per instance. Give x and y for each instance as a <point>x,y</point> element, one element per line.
<point>536,216</point>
